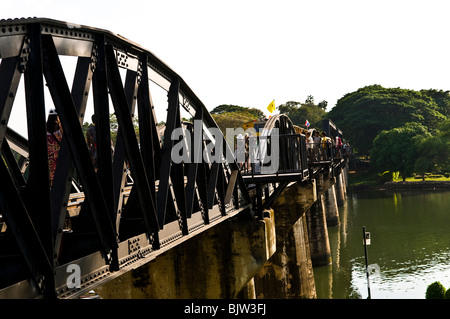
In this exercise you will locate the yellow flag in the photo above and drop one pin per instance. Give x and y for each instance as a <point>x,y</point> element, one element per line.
<point>271,106</point>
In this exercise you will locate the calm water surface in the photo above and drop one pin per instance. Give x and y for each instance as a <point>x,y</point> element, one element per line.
<point>410,245</point>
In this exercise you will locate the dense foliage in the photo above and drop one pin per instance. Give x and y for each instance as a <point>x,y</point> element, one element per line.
<point>434,151</point>
<point>365,113</point>
<point>447,294</point>
<point>435,291</point>
<point>412,149</point>
<point>228,108</point>
<point>396,150</point>
<point>234,116</point>
<point>300,112</point>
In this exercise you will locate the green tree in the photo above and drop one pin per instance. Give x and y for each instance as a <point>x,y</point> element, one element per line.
<point>442,99</point>
<point>396,150</point>
<point>447,294</point>
<point>434,151</point>
<point>114,127</point>
<point>233,119</point>
<point>228,108</point>
<point>323,105</point>
<point>444,131</point>
<point>433,155</point>
<point>363,114</point>
<point>85,127</point>
<point>435,291</point>
<point>300,112</point>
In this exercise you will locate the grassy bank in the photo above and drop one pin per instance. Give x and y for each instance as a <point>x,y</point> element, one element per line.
<point>366,178</point>
<point>361,178</point>
<point>434,178</point>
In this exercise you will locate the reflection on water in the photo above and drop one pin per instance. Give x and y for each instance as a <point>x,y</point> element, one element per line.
<point>410,243</point>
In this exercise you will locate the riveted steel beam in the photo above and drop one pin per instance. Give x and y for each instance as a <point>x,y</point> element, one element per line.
<point>70,123</point>
<point>122,108</point>
<point>116,226</point>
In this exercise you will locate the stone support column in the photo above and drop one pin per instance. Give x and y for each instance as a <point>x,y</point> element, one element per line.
<point>215,264</point>
<point>248,292</point>
<point>331,207</point>
<point>340,189</point>
<point>288,273</point>
<point>318,234</point>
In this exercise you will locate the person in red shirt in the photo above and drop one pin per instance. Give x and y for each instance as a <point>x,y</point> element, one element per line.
<point>54,137</point>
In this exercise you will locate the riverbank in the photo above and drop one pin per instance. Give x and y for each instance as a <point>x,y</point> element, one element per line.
<point>365,180</point>
<point>417,185</point>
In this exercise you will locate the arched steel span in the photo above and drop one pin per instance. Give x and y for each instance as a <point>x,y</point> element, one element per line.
<point>290,143</point>
<point>280,121</point>
<point>117,222</point>
<point>284,151</point>
<point>115,226</point>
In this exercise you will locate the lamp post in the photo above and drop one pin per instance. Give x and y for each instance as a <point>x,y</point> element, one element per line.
<point>366,240</point>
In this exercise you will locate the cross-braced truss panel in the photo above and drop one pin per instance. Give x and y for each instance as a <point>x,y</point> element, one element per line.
<point>126,207</point>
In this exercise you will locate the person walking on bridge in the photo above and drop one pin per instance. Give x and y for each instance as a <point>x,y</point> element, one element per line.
<point>309,145</point>
<point>316,139</point>
<point>54,137</point>
<point>91,141</point>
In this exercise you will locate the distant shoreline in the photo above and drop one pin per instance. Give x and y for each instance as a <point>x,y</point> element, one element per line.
<point>415,185</point>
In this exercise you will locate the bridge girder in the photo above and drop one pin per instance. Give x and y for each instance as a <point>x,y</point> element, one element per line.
<point>116,227</point>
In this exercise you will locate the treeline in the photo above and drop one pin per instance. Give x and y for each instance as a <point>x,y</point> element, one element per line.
<point>363,114</point>
<point>400,130</point>
<point>227,115</point>
<point>234,116</point>
<point>300,112</point>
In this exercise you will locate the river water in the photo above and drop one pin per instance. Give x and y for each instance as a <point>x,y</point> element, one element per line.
<point>409,247</point>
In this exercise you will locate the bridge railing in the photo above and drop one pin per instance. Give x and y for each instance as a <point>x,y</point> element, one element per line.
<point>324,152</point>
<point>277,157</point>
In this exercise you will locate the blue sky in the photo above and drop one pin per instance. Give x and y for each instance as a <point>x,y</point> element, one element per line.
<point>250,52</point>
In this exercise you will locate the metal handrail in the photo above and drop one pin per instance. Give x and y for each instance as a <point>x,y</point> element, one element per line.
<point>291,154</point>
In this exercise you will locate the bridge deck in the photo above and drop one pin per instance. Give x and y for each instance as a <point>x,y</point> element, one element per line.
<point>274,178</point>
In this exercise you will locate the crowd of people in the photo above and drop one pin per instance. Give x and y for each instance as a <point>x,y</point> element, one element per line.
<point>320,147</point>
<point>323,148</point>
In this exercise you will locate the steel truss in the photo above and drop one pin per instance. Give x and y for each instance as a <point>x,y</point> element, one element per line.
<point>116,225</point>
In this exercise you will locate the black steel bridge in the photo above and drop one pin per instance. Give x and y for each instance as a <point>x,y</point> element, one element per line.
<point>139,203</point>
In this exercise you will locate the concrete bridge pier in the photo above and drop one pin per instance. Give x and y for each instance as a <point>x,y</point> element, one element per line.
<point>341,187</point>
<point>288,274</point>
<point>216,264</point>
<point>318,234</point>
<point>248,292</point>
<point>331,206</point>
